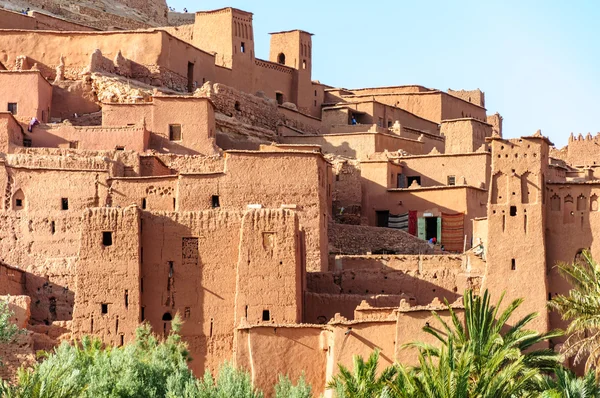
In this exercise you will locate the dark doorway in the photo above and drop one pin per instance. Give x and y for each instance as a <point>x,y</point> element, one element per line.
<point>431,224</point>
<point>281,59</point>
<point>409,180</point>
<point>190,76</point>
<point>401,181</point>
<point>382,218</point>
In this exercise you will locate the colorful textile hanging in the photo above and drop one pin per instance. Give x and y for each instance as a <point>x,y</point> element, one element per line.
<point>399,221</point>
<point>453,232</point>
<point>412,222</point>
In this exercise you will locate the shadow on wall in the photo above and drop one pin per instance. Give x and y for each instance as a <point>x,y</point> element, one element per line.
<point>341,292</point>
<point>50,301</point>
<point>572,216</point>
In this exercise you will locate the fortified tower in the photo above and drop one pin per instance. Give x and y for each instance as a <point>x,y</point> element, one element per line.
<point>229,33</point>
<point>294,49</point>
<point>516,259</point>
<point>108,285</point>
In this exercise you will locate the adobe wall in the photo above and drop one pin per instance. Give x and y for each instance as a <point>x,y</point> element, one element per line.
<point>272,78</point>
<point>300,121</point>
<point>358,145</point>
<point>16,20</point>
<point>108,281</point>
<point>571,218</point>
<point>178,255</point>
<point>270,186</point>
<point>436,200</point>
<point>70,97</point>
<point>11,133</point>
<point>456,108</point>
<point>33,102</point>
<point>132,138</point>
<point>155,57</point>
<point>194,115</point>
<point>372,276</point>
<point>467,168</point>
<point>346,191</point>
<point>427,105</point>
<point>431,105</point>
<point>410,88</point>
<point>475,96</point>
<point>496,121</point>
<point>269,275</point>
<point>390,114</point>
<point>183,32</point>
<point>583,151</point>
<point>465,135</point>
<point>21,351</point>
<point>516,254</point>
<point>409,328</point>
<point>362,239</point>
<point>305,351</point>
<point>41,238</point>
<point>12,281</point>
<point>382,281</point>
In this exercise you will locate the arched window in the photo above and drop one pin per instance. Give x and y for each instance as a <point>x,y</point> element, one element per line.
<point>568,210</point>
<point>281,59</point>
<point>18,201</point>
<point>579,257</point>
<point>594,203</point>
<point>581,200</point>
<point>167,316</point>
<point>555,202</point>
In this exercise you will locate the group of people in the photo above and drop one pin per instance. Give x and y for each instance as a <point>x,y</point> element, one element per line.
<point>25,12</point>
<point>172,9</point>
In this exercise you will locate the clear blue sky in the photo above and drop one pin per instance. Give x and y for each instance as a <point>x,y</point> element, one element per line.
<point>538,62</point>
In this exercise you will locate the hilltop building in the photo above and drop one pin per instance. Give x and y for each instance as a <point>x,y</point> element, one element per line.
<point>169,170</point>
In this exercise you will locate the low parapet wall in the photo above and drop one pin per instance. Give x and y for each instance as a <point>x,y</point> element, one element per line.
<point>133,138</point>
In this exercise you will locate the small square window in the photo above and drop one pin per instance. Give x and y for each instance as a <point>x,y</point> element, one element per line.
<point>215,201</point>
<point>12,107</point>
<point>266,315</point>
<point>64,204</point>
<point>27,142</point>
<point>513,211</point>
<point>104,308</point>
<point>107,238</point>
<point>73,144</point>
<point>19,202</point>
<point>175,132</point>
<point>451,180</point>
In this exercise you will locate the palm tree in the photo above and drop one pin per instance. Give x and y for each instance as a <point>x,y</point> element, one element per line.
<point>582,307</point>
<point>566,385</point>
<point>497,354</point>
<point>363,383</point>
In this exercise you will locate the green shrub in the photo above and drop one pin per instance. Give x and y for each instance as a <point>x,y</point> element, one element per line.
<point>285,388</point>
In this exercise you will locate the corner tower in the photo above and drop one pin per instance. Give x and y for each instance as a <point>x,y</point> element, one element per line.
<point>294,49</point>
<point>516,256</point>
